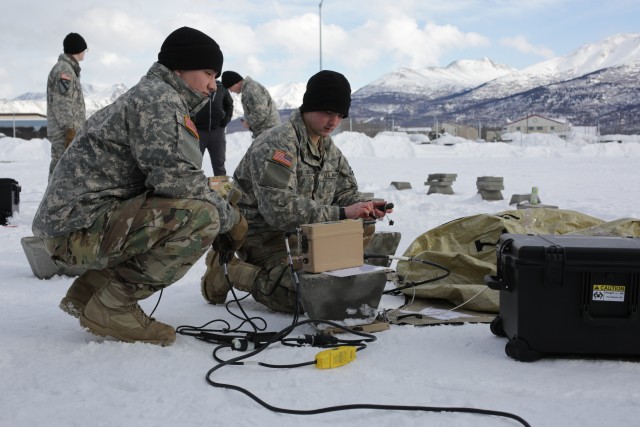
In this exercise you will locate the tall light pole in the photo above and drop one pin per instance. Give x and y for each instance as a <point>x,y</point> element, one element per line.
<point>320,16</point>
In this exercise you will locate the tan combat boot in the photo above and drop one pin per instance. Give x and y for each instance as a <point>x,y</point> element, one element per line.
<point>114,312</point>
<point>81,291</point>
<point>214,285</point>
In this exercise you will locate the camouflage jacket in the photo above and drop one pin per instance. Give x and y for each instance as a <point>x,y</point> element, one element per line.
<point>65,101</point>
<point>259,109</point>
<point>286,181</point>
<point>143,142</point>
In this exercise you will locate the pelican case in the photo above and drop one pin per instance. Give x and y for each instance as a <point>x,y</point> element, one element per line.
<point>567,295</point>
<point>9,199</point>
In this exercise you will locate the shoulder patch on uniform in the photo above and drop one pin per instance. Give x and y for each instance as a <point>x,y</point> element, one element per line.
<point>64,85</point>
<point>191,127</point>
<point>65,76</point>
<point>283,158</point>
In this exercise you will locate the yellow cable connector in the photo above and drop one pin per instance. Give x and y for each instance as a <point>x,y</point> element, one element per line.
<point>335,357</point>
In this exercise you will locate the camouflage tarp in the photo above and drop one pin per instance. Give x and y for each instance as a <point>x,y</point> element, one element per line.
<point>466,246</point>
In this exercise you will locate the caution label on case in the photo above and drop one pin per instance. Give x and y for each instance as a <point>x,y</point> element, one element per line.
<point>613,293</point>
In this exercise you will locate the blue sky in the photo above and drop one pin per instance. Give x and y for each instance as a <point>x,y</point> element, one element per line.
<point>277,42</point>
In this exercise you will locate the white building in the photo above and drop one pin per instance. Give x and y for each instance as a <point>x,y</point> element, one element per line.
<point>536,123</point>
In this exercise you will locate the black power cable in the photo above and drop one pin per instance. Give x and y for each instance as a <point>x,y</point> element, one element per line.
<point>280,335</point>
<point>259,341</point>
<point>397,291</point>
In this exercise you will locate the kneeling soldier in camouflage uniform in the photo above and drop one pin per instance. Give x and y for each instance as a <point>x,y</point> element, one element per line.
<point>292,174</point>
<point>129,201</point>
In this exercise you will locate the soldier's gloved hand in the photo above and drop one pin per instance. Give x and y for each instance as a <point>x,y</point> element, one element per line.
<point>233,239</point>
<point>69,134</point>
<point>233,196</point>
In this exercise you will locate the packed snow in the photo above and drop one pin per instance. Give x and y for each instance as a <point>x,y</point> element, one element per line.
<point>54,373</point>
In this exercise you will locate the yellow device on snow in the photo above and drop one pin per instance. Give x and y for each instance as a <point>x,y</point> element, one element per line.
<point>335,357</point>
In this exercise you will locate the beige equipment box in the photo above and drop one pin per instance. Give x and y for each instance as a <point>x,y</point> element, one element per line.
<point>221,184</point>
<point>331,245</point>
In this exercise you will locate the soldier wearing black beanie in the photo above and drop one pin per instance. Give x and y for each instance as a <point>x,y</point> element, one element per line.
<point>189,49</point>
<point>73,43</point>
<point>327,91</point>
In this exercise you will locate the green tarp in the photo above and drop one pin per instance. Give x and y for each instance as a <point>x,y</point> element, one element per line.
<point>466,247</point>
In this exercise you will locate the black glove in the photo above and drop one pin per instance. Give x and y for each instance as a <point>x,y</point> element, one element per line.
<point>233,239</point>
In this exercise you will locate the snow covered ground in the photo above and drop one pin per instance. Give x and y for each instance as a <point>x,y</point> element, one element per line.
<point>56,374</point>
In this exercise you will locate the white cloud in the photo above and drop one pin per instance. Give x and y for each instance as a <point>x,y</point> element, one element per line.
<point>521,44</point>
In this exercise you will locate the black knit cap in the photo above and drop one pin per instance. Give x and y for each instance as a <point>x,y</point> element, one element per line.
<point>74,43</point>
<point>229,78</point>
<point>327,91</point>
<point>189,49</point>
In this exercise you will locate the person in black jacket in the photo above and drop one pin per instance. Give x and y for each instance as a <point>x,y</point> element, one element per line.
<point>211,122</point>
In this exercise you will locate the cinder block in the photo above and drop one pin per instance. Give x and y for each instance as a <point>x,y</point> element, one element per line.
<point>491,186</point>
<point>382,243</point>
<point>440,183</point>
<point>491,195</point>
<point>327,297</point>
<point>440,189</point>
<point>401,185</point>
<point>519,198</point>
<point>442,177</point>
<point>40,261</point>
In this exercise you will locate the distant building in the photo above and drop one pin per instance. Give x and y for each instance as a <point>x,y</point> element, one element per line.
<point>23,125</point>
<point>460,130</point>
<point>536,123</point>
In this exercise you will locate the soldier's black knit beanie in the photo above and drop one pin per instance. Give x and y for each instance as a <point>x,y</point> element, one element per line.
<point>74,43</point>
<point>189,49</point>
<point>229,78</point>
<point>327,91</point>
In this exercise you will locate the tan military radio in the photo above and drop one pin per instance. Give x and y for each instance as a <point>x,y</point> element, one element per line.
<point>331,245</point>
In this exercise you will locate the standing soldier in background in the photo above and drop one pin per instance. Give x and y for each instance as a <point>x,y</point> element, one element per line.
<point>65,103</point>
<point>260,112</point>
<point>211,122</point>
<point>128,200</point>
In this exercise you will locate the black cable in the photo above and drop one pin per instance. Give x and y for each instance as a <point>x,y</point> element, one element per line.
<point>397,291</point>
<point>157,303</point>
<point>285,332</point>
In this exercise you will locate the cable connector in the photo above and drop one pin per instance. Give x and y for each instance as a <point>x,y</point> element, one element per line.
<point>241,344</point>
<point>335,357</point>
<point>317,340</point>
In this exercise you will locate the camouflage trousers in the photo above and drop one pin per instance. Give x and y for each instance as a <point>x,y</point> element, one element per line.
<point>263,270</point>
<point>147,242</point>
<point>57,149</point>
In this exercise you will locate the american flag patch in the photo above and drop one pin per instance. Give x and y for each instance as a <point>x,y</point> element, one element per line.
<point>283,158</point>
<point>191,127</point>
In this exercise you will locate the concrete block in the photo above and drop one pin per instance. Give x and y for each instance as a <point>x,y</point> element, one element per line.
<point>518,198</point>
<point>401,185</point>
<point>355,297</point>
<point>382,243</point>
<point>40,261</point>
<point>442,177</point>
<point>440,183</point>
<point>440,189</point>
<point>491,186</point>
<point>489,179</point>
<point>491,195</point>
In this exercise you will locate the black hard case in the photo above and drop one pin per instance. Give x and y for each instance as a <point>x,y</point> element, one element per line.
<point>567,294</point>
<point>9,198</point>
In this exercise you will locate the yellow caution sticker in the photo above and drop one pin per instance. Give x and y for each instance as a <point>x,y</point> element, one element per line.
<point>613,293</point>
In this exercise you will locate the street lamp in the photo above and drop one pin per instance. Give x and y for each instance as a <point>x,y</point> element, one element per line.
<point>320,16</point>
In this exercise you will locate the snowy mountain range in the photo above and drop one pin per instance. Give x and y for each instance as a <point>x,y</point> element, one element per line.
<point>593,85</point>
